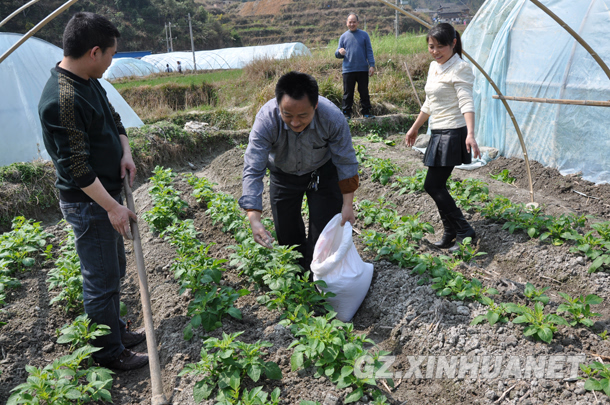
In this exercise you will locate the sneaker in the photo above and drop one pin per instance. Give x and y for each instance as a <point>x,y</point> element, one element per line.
<point>130,339</point>
<point>128,360</point>
<point>368,116</point>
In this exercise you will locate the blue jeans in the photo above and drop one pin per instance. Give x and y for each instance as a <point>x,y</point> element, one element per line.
<point>102,262</point>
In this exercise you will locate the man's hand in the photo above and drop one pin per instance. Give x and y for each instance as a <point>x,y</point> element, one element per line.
<point>347,215</point>
<point>261,235</point>
<point>342,51</point>
<point>371,71</point>
<point>127,164</point>
<point>127,161</point>
<point>347,210</point>
<point>119,217</point>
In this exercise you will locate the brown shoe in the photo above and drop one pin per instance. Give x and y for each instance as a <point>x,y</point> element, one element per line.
<point>130,339</point>
<point>128,360</point>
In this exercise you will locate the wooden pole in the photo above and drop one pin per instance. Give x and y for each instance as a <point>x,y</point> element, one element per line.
<point>577,37</point>
<point>192,45</point>
<point>36,28</point>
<point>7,19</point>
<point>413,85</point>
<point>156,382</point>
<point>496,89</point>
<point>592,103</point>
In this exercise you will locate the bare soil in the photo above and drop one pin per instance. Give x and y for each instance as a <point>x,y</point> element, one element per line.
<point>399,315</point>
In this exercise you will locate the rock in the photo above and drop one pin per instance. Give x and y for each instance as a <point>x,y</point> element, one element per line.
<point>545,384</point>
<point>462,310</point>
<point>491,395</point>
<point>423,140</point>
<point>48,348</point>
<point>331,399</point>
<point>579,391</point>
<point>194,126</point>
<point>491,152</point>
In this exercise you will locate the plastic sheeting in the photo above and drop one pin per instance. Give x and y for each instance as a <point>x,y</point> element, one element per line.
<point>528,54</point>
<point>23,76</point>
<point>123,67</point>
<point>226,58</point>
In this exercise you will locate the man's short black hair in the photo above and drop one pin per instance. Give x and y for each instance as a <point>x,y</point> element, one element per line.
<point>297,85</point>
<point>86,31</point>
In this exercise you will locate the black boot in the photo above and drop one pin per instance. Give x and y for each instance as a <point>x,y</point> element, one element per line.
<point>449,232</point>
<point>463,228</point>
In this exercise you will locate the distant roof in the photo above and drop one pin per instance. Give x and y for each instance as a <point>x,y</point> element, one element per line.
<point>134,54</point>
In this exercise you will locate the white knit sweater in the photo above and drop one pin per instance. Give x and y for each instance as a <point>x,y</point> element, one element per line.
<point>449,93</point>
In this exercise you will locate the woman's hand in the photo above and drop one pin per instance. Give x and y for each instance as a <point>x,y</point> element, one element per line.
<point>411,136</point>
<point>471,146</point>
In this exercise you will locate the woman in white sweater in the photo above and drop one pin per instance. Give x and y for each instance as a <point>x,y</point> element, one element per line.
<point>450,107</point>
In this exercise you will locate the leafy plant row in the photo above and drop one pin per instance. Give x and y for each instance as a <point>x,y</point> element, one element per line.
<point>474,194</point>
<point>322,342</point>
<point>66,275</point>
<point>469,194</point>
<point>18,251</point>
<point>195,270</point>
<point>71,378</point>
<point>448,282</point>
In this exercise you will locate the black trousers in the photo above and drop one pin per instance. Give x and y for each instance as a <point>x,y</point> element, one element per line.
<point>349,84</point>
<point>436,186</point>
<point>286,196</point>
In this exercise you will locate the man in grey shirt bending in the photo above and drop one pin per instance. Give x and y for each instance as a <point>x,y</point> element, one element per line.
<point>305,142</point>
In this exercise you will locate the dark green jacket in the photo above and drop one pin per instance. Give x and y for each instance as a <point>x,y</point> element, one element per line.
<point>81,134</point>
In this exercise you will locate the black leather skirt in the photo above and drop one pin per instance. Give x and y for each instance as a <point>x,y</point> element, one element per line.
<point>447,147</point>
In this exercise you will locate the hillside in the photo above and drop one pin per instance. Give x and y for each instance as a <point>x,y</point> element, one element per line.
<point>141,22</point>
<point>220,23</point>
<point>216,23</point>
<point>308,21</point>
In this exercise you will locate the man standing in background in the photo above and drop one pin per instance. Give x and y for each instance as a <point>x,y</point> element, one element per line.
<point>358,64</point>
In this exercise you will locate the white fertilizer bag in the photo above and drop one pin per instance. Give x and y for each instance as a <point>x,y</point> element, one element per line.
<point>337,262</point>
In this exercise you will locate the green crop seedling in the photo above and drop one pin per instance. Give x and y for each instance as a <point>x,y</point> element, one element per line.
<point>580,308</point>
<point>225,363</point>
<point>540,325</point>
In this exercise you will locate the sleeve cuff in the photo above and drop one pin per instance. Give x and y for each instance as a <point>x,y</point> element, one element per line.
<point>349,185</point>
<point>249,202</point>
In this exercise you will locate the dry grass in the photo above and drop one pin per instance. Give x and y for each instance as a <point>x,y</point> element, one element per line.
<point>26,189</point>
<point>153,101</point>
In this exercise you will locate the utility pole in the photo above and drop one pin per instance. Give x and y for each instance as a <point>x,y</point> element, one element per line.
<point>396,20</point>
<point>171,44</point>
<point>166,39</point>
<point>192,43</point>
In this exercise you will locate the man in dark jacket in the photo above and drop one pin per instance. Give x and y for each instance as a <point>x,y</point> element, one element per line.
<point>86,141</point>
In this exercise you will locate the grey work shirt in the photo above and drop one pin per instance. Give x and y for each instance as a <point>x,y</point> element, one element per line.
<point>274,145</point>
